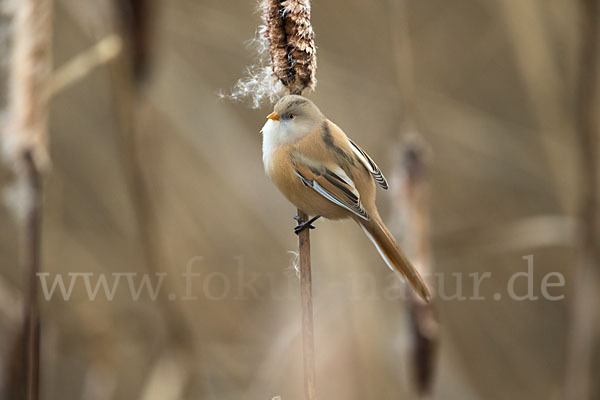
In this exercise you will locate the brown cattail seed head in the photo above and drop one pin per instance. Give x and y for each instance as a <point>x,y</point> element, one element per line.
<point>290,36</point>
<point>29,75</point>
<point>286,48</point>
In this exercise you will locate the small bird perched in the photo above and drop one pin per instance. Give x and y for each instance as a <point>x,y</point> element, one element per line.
<point>325,174</point>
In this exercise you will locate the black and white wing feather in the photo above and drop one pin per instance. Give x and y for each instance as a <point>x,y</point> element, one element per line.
<point>335,186</point>
<point>369,164</point>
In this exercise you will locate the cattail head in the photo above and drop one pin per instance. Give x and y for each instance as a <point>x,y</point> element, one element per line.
<point>291,41</point>
<point>409,180</point>
<point>415,157</point>
<point>30,62</point>
<point>287,46</point>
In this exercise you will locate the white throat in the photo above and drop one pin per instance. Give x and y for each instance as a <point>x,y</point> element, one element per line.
<point>271,132</point>
<point>281,133</point>
<point>277,134</point>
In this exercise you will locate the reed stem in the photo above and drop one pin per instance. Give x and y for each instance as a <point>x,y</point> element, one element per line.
<point>25,147</point>
<point>308,344</point>
<point>414,205</point>
<point>33,222</point>
<point>581,335</point>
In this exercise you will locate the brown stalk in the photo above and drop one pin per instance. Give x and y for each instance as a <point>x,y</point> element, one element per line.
<point>308,342</point>
<point>81,65</point>
<point>127,72</point>
<point>290,37</point>
<point>581,334</point>
<point>24,143</point>
<point>32,240</point>
<point>411,199</point>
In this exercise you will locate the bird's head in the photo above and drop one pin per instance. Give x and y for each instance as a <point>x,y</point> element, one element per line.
<point>292,118</point>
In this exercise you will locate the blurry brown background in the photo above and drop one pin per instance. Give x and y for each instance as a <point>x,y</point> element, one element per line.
<point>495,97</point>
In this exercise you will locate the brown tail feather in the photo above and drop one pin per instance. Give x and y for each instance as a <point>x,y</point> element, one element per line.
<point>393,255</point>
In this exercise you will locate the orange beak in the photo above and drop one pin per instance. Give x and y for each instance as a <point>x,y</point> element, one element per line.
<point>274,116</point>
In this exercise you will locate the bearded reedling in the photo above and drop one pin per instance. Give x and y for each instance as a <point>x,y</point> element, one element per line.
<point>325,174</point>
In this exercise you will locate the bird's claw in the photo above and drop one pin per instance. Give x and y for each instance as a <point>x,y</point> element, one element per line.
<point>302,225</point>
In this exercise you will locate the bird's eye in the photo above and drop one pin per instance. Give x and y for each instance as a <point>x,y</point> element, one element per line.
<point>291,116</point>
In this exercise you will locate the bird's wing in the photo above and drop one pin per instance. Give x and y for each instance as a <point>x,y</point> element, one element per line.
<point>369,164</point>
<point>331,182</point>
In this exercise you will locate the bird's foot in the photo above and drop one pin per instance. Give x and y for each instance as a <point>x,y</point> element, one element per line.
<point>302,225</point>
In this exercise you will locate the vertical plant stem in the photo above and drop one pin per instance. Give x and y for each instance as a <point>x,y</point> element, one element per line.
<point>404,63</point>
<point>413,204</point>
<point>423,318</point>
<point>308,343</point>
<point>308,334</point>
<point>581,338</point>
<point>127,104</point>
<point>24,141</point>
<point>33,221</point>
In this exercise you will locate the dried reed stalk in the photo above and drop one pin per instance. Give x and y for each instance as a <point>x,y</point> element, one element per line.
<point>403,63</point>
<point>136,16</point>
<point>30,69</point>
<point>127,73</point>
<point>25,148</point>
<point>80,66</point>
<point>32,240</point>
<point>308,342</point>
<point>411,199</point>
<point>582,333</point>
<point>290,38</point>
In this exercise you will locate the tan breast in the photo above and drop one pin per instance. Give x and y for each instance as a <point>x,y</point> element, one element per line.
<point>281,172</point>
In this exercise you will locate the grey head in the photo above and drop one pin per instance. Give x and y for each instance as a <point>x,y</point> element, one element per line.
<point>293,118</point>
<point>296,113</point>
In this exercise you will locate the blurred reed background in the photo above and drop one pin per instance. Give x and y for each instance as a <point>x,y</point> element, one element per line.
<point>150,170</point>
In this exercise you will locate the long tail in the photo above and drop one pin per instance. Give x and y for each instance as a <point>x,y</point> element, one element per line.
<point>393,255</point>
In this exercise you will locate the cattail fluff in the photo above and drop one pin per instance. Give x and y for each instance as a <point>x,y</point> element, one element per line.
<point>287,38</point>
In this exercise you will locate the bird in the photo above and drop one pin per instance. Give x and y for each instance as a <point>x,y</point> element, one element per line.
<point>326,174</point>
